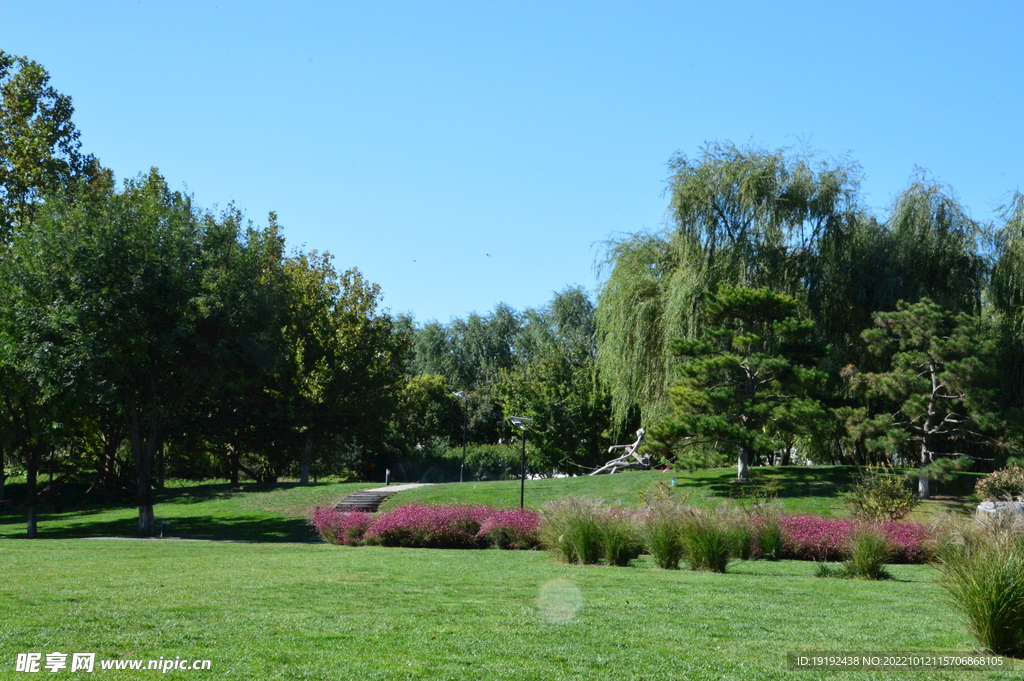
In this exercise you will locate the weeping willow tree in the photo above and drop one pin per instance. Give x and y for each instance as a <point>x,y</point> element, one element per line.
<point>933,243</point>
<point>1007,295</point>
<point>737,217</point>
<point>1008,271</point>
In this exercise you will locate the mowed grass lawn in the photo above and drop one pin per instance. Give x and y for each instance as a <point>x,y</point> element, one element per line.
<point>276,606</point>
<point>798,489</point>
<point>308,611</point>
<point>247,512</point>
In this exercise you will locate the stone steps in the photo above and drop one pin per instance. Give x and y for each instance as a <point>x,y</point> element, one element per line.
<point>365,500</point>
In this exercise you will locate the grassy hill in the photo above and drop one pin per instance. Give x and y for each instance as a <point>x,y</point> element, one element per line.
<point>799,489</point>
<point>276,513</point>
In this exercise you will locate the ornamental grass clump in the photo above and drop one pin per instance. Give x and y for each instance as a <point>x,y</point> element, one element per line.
<point>709,538</point>
<point>346,528</point>
<point>767,541</point>
<point>982,568</point>
<point>869,549</point>
<point>662,531</point>
<point>620,536</point>
<point>573,529</point>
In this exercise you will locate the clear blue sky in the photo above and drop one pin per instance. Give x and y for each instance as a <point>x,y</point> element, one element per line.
<point>463,154</point>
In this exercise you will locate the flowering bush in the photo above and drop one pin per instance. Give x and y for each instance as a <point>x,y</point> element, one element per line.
<point>511,529</point>
<point>810,537</point>
<point>436,527</point>
<point>341,527</point>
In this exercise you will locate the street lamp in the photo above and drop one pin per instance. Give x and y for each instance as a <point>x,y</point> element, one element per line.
<point>522,422</point>
<point>465,423</point>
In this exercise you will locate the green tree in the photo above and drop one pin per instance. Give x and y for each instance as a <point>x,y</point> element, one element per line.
<point>39,147</point>
<point>738,217</point>
<point>119,281</point>
<point>748,384</point>
<point>346,359</point>
<point>471,353</point>
<point>939,393</point>
<point>555,382</point>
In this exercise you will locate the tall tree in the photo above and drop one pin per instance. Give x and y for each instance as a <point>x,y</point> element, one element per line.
<point>749,382</point>
<point>123,278</point>
<point>346,359</point>
<point>39,146</point>
<point>738,217</point>
<point>939,393</point>
<point>555,382</point>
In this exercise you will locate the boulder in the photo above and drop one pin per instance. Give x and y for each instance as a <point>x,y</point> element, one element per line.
<point>996,508</point>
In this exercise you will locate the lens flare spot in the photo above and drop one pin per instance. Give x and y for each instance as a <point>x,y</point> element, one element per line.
<point>559,601</point>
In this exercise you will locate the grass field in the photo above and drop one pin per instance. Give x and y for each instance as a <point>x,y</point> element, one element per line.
<point>306,611</point>
<point>255,512</point>
<point>248,512</point>
<point>278,606</point>
<point>799,489</point>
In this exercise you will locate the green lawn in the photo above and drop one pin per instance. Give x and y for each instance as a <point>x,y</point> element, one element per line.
<point>250,512</point>
<point>308,611</point>
<point>280,607</point>
<point>799,489</point>
<point>278,512</point>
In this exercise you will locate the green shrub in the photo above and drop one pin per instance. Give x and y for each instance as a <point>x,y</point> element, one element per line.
<point>1007,483</point>
<point>662,532</point>
<point>982,568</point>
<point>877,495</point>
<point>869,550</point>
<point>574,529</point>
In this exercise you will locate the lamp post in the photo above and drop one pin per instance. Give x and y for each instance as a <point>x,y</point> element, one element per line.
<point>465,423</point>
<point>522,422</point>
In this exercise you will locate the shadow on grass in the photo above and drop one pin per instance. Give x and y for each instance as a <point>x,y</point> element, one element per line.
<point>789,482</point>
<point>223,528</point>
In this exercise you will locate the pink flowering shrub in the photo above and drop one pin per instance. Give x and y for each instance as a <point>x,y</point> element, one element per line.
<point>436,527</point>
<point>810,537</point>
<point>341,527</point>
<point>511,529</point>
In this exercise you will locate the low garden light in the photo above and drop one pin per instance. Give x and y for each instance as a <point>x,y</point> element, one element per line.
<point>465,424</point>
<point>522,422</point>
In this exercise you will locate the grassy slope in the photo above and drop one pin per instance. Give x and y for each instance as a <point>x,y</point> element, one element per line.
<point>246,512</point>
<point>278,512</point>
<point>804,489</point>
<point>302,611</point>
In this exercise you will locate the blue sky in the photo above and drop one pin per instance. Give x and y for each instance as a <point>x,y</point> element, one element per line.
<point>465,154</point>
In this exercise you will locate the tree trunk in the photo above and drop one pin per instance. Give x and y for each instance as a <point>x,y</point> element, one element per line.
<point>3,476</point>
<point>161,465</point>
<point>923,490</point>
<point>233,464</point>
<point>743,469</point>
<point>31,476</point>
<point>143,451</point>
<point>307,458</point>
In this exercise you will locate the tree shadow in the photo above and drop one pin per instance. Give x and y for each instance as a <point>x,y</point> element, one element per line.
<point>782,482</point>
<point>215,528</point>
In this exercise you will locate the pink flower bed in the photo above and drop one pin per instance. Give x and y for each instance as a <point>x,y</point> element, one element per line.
<point>341,527</point>
<point>441,526</point>
<point>811,537</point>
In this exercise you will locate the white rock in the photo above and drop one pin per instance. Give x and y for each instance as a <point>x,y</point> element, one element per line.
<point>992,508</point>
